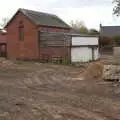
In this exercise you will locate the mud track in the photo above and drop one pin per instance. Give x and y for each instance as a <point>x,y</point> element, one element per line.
<point>53,92</point>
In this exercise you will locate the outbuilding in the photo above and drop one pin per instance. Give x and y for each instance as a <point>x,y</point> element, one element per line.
<point>3,44</point>
<point>37,35</point>
<point>42,36</point>
<point>84,48</point>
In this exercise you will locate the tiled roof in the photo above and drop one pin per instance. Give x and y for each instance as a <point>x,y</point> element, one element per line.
<point>40,18</point>
<point>110,31</point>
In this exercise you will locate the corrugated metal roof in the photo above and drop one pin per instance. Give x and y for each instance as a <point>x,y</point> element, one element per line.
<point>110,31</point>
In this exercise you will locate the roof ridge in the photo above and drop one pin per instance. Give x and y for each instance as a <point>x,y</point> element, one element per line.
<point>111,26</point>
<point>42,18</point>
<point>37,12</point>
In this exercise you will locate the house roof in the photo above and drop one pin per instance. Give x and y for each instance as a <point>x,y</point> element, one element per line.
<point>45,19</point>
<point>109,31</point>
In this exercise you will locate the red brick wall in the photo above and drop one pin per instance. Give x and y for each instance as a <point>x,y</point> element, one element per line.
<point>29,48</point>
<point>22,49</point>
<point>51,52</point>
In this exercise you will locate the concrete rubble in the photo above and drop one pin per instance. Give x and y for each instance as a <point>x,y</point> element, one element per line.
<point>111,72</point>
<point>5,63</point>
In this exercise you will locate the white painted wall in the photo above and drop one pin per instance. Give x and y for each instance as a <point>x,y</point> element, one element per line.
<point>96,54</point>
<point>116,51</point>
<point>84,54</point>
<point>116,54</point>
<point>81,54</point>
<point>84,40</point>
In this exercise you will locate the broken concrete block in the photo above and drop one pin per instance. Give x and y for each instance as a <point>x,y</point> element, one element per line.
<point>111,72</point>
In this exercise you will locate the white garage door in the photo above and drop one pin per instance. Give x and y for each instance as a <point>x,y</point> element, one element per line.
<point>81,54</point>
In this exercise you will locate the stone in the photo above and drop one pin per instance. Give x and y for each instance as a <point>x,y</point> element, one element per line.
<point>111,72</point>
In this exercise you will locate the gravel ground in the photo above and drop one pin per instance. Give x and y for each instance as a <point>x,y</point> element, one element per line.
<point>34,91</point>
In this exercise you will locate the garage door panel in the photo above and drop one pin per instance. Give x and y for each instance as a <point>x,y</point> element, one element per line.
<point>81,54</point>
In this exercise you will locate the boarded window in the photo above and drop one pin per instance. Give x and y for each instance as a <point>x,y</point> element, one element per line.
<point>21,33</point>
<point>54,39</point>
<point>21,30</point>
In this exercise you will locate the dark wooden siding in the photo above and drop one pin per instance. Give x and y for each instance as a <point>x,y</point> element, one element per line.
<point>54,39</point>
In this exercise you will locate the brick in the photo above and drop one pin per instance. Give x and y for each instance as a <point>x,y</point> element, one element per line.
<point>30,48</point>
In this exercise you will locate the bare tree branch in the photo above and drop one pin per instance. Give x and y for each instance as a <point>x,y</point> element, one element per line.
<point>4,22</point>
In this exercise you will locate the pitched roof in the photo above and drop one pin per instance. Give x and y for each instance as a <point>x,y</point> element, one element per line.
<point>46,19</point>
<point>109,31</point>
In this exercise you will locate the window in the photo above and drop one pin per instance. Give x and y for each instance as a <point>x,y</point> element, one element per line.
<point>21,33</point>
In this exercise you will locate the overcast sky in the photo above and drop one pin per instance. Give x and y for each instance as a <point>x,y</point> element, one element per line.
<point>92,12</point>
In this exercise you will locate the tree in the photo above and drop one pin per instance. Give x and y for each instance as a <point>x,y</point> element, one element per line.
<point>4,22</point>
<point>79,26</point>
<point>83,30</point>
<point>116,9</point>
<point>93,32</point>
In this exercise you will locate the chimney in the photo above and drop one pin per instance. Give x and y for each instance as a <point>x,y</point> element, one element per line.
<point>100,25</point>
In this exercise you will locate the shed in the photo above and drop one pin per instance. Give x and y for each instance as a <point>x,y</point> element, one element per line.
<point>36,35</point>
<point>84,48</point>
<point>3,43</point>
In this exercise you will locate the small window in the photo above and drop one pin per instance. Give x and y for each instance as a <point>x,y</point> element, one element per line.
<point>21,33</point>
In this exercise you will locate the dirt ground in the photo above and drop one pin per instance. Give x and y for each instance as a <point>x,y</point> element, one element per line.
<point>36,91</point>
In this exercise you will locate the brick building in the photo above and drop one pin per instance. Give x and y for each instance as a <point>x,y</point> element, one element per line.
<point>37,35</point>
<point>3,46</point>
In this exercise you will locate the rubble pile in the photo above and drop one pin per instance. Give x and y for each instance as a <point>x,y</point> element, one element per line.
<point>111,72</point>
<point>94,70</point>
<point>6,63</point>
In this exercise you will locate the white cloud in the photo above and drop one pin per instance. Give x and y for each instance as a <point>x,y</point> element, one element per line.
<point>92,16</point>
<point>80,3</point>
<point>92,12</point>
